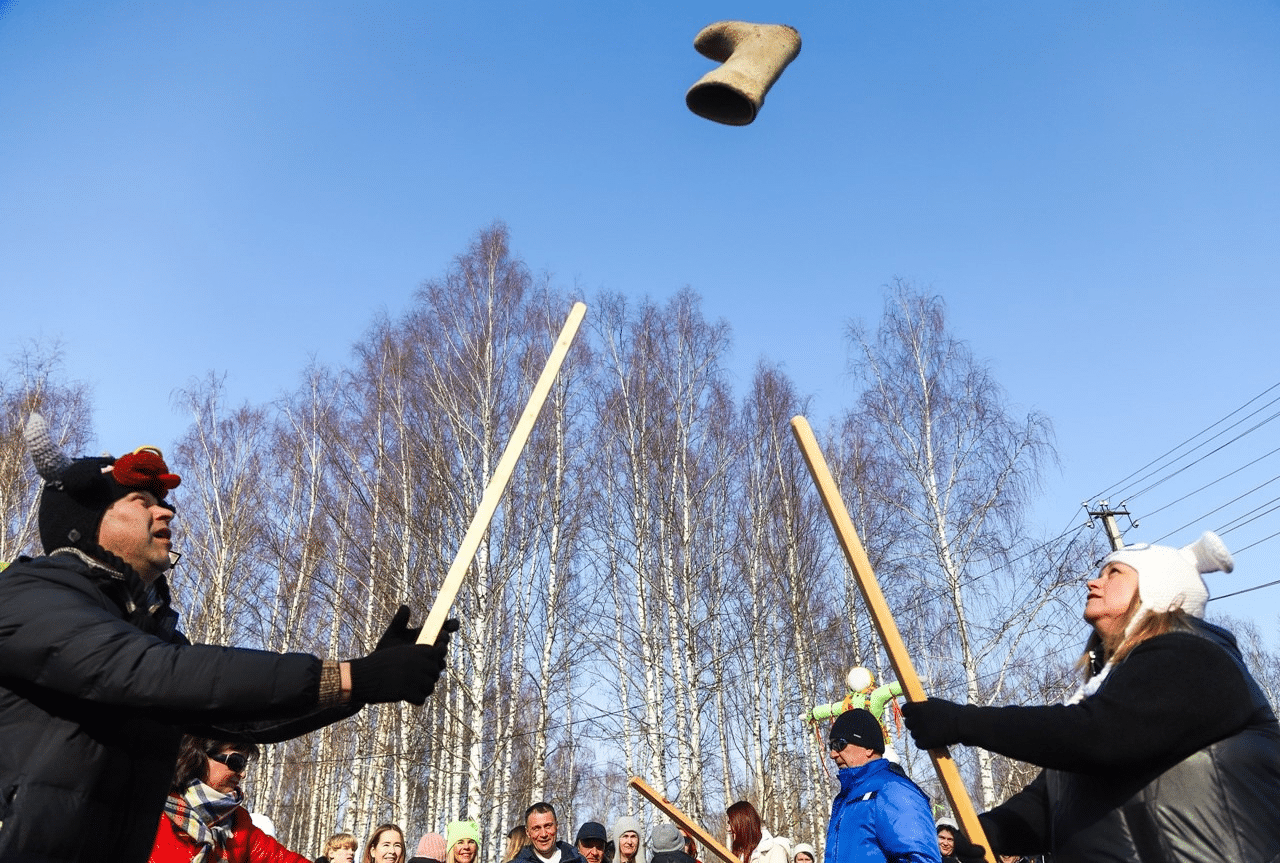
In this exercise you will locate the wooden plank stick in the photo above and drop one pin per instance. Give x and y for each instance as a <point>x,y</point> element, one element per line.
<point>705,839</point>
<point>498,482</point>
<point>856,555</point>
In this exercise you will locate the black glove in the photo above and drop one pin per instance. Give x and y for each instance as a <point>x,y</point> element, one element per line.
<point>400,672</point>
<point>399,631</point>
<point>933,723</point>
<point>966,851</point>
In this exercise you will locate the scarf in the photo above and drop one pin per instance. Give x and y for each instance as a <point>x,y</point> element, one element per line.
<point>207,816</point>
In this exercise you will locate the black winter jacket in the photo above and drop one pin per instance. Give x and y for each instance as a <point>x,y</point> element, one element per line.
<point>92,708</point>
<point>1214,794</point>
<point>568,854</point>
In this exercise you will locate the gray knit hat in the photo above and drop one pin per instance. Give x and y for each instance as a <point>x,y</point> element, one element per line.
<point>666,838</point>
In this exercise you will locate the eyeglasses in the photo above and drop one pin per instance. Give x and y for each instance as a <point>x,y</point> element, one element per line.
<point>837,744</point>
<point>236,761</point>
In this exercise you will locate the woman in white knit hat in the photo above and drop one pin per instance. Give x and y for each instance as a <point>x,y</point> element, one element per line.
<point>1169,750</point>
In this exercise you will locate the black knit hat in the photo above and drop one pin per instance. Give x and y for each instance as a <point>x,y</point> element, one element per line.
<point>860,728</point>
<point>77,493</point>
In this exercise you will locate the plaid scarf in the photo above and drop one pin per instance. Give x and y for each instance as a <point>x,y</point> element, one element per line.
<point>207,816</point>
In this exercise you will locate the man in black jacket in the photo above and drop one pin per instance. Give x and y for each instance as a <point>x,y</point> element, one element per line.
<point>97,684</point>
<point>540,823</point>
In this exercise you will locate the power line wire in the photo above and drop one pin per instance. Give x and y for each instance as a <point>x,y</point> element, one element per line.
<point>1112,490</point>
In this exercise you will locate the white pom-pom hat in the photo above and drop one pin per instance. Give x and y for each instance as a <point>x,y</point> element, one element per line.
<point>1169,578</point>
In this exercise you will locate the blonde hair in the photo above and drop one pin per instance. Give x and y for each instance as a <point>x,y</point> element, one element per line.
<point>1099,651</point>
<point>341,840</point>
<point>516,839</point>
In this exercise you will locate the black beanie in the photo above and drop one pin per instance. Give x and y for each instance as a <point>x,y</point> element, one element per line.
<point>860,728</point>
<point>78,492</point>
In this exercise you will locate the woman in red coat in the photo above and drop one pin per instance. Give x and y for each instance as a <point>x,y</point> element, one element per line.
<point>204,821</point>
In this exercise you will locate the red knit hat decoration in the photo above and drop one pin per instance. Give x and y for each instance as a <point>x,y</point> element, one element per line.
<point>144,468</point>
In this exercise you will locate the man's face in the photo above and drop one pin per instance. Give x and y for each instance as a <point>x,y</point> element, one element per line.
<point>592,850</point>
<point>541,827</point>
<point>136,529</point>
<point>853,755</point>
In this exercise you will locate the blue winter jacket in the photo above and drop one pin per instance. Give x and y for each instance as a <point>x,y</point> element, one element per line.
<point>880,815</point>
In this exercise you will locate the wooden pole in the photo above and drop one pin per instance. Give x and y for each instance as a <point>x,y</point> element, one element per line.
<point>498,482</point>
<point>856,555</point>
<point>705,839</point>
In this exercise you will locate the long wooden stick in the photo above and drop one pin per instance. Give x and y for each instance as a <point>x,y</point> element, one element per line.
<point>856,555</point>
<point>498,482</point>
<point>704,838</point>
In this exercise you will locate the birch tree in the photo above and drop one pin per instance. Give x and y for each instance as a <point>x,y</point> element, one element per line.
<point>932,413</point>
<point>34,384</point>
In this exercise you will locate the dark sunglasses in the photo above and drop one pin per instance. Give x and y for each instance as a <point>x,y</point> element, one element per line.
<point>837,744</point>
<point>236,761</point>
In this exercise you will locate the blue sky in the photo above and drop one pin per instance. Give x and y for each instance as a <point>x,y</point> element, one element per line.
<point>1094,187</point>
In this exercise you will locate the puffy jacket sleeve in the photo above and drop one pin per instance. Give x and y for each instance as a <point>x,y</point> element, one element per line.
<point>904,827</point>
<point>265,849</point>
<point>1020,825</point>
<point>59,633</point>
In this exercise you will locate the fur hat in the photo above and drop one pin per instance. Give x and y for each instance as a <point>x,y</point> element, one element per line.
<point>666,838</point>
<point>859,727</point>
<point>457,830</point>
<point>1169,578</point>
<point>77,492</point>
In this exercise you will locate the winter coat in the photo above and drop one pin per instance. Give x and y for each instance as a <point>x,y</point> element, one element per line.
<point>880,815</point>
<point>92,708</point>
<point>1220,802</point>
<point>247,844</point>
<point>568,854</point>
<point>771,849</point>
<point>672,857</point>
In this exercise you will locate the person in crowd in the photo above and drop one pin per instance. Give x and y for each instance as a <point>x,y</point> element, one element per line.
<point>540,823</point>
<point>590,841</point>
<point>430,849</point>
<point>1169,750</point>
<point>204,816</point>
<point>878,814</point>
<point>626,838</point>
<point>340,848</point>
<point>667,843</point>
<point>947,830</point>
<point>385,845</point>
<point>750,840</point>
<point>462,840</point>
<point>690,846</point>
<point>97,684</point>
<point>804,853</point>
<point>517,839</point>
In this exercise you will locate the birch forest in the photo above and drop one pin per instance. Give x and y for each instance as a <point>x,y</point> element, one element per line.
<point>660,593</point>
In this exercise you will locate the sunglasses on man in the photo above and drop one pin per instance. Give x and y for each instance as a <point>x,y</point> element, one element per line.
<point>236,761</point>
<point>837,744</point>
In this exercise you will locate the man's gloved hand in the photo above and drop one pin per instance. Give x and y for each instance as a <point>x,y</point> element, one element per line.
<point>933,723</point>
<point>399,631</point>
<point>966,851</point>
<point>400,672</point>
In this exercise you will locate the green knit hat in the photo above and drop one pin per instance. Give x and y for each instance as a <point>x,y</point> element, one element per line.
<point>456,830</point>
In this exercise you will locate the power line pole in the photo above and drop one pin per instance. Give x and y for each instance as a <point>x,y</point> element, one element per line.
<point>1108,515</point>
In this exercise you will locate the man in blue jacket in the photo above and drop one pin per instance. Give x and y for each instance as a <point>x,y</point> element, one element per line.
<point>879,815</point>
